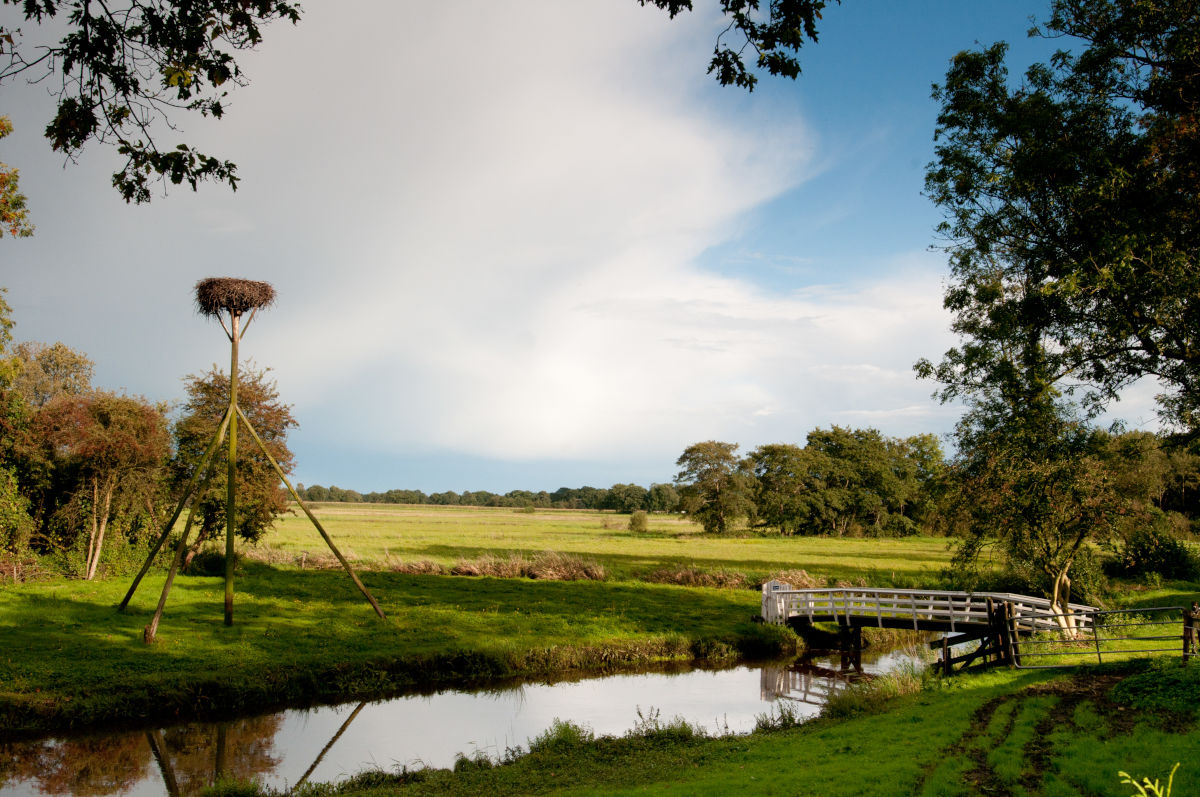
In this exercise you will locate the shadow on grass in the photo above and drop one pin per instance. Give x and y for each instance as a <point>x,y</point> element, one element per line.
<point>71,659</point>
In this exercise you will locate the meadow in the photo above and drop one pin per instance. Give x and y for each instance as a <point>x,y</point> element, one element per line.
<point>379,535</point>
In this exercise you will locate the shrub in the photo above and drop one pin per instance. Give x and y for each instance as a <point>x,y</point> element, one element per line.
<point>562,736</point>
<point>1153,550</point>
<point>688,576</point>
<point>209,562</point>
<point>639,521</point>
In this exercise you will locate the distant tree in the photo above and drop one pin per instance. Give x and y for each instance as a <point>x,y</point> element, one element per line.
<point>43,372</point>
<point>449,498</point>
<point>713,488</point>
<point>626,498</point>
<point>566,498</point>
<point>316,493</point>
<point>785,487</point>
<point>116,445</point>
<point>260,496</point>
<point>662,498</point>
<point>592,497</point>
<point>518,498</point>
<point>344,496</point>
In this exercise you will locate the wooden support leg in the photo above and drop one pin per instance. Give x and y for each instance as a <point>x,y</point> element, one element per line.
<point>217,439</point>
<point>151,630</point>
<point>328,541</point>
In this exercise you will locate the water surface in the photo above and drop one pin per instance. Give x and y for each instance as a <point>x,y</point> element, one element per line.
<point>329,743</point>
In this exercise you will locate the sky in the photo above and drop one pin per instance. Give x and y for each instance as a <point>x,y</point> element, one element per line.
<point>531,244</point>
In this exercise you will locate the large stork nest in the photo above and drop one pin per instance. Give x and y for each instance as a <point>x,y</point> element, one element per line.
<point>237,296</point>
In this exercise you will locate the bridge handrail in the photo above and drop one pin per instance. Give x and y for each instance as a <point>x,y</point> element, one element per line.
<point>780,601</point>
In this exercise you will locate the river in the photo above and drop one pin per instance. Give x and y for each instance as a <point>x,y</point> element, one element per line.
<point>331,742</point>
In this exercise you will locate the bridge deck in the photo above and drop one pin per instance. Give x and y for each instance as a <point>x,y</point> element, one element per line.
<point>921,610</point>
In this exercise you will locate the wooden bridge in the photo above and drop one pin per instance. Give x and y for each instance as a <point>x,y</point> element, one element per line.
<point>997,620</point>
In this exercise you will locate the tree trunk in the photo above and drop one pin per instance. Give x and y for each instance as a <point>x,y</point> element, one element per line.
<point>1060,601</point>
<point>202,537</point>
<point>91,548</point>
<point>101,527</point>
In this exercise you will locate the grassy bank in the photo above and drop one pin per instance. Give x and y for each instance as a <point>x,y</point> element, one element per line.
<point>1003,732</point>
<point>391,533</point>
<point>70,659</point>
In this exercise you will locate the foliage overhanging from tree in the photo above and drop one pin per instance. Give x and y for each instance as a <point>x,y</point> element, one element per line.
<point>774,40</point>
<point>124,70</point>
<point>121,68</point>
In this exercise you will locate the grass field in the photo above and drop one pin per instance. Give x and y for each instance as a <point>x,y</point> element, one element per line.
<point>69,659</point>
<point>376,534</point>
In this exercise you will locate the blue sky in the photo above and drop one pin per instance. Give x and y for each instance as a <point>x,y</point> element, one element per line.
<point>531,244</point>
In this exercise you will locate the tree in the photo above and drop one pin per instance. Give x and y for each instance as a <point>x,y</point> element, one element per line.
<point>260,497</point>
<point>1035,482</point>
<point>14,217</point>
<point>626,498</point>
<point>44,372</point>
<point>123,67</point>
<point>1071,205</point>
<point>116,445</point>
<point>1073,199</point>
<point>783,488</point>
<point>662,498</point>
<point>713,488</point>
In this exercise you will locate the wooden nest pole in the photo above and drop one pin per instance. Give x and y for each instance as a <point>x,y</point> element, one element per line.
<point>228,298</point>
<point>217,297</point>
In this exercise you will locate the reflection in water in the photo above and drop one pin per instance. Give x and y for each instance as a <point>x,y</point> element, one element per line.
<point>290,748</point>
<point>186,758</point>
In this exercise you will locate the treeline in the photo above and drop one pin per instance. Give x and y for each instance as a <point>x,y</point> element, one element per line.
<point>858,482</point>
<point>626,498</point>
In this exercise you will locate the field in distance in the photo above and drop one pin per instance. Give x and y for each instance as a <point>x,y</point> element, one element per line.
<point>382,535</point>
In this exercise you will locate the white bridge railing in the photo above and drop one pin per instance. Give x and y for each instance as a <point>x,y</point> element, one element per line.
<point>781,602</point>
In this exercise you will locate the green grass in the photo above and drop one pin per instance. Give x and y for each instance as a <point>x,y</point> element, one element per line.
<point>1003,732</point>
<point>377,533</point>
<point>69,658</point>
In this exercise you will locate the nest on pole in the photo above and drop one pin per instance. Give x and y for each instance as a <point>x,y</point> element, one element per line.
<point>235,295</point>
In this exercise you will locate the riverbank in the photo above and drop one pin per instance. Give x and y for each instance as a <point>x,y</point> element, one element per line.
<point>71,661</point>
<point>1000,732</point>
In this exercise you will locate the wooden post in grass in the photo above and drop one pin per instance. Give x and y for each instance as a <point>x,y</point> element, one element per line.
<point>217,298</point>
<point>233,297</point>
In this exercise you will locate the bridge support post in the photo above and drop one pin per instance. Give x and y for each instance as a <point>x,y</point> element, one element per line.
<point>1012,638</point>
<point>850,646</point>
